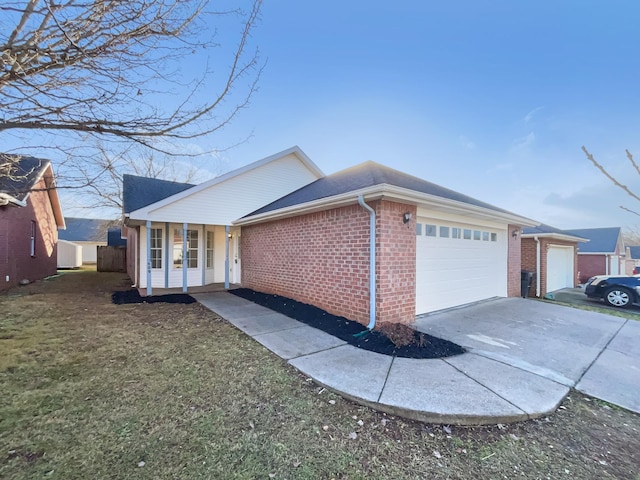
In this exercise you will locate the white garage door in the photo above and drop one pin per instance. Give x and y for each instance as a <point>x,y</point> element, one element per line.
<point>458,264</point>
<point>559,267</point>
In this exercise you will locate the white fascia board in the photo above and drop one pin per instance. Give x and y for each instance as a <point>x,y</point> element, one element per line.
<point>390,192</point>
<point>5,199</point>
<point>556,236</point>
<point>143,212</point>
<point>411,196</point>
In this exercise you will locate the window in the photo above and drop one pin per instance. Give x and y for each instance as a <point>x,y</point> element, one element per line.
<point>494,237</point>
<point>477,234</point>
<point>418,229</point>
<point>32,240</point>
<point>456,233</point>
<point>192,248</point>
<point>156,248</point>
<point>430,230</point>
<point>209,249</point>
<point>467,234</point>
<point>485,236</point>
<point>444,232</point>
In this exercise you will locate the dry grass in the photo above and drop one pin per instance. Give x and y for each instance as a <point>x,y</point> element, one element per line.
<point>91,390</point>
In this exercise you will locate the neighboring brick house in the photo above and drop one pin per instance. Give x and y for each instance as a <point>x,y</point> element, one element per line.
<point>311,241</point>
<point>30,216</point>
<point>552,255</point>
<point>604,254</point>
<point>632,260</point>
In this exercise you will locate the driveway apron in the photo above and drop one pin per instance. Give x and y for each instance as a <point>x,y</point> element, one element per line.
<point>596,353</point>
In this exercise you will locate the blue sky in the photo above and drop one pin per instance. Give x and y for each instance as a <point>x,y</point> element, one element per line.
<point>492,99</point>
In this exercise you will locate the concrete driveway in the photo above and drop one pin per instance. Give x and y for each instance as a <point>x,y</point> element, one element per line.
<point>597,354</point>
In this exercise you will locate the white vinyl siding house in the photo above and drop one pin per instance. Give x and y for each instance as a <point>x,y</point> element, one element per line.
<point>206,212</point>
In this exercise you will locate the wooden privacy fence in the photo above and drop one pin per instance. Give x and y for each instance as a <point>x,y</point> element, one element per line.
<point>112,259</point>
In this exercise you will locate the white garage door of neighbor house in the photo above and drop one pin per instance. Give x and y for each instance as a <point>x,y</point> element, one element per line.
<point>458,264</point>
<point>559,267</point>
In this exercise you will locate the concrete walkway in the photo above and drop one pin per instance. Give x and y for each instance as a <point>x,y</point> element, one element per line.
<point>488,385</point>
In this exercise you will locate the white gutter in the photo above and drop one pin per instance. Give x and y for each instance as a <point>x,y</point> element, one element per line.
<point>390,192</point>
<point>537,266</point>
<point>372,262</point>
<point>6,199</point>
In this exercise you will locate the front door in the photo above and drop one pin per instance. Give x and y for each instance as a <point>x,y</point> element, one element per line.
<point>235,263</point>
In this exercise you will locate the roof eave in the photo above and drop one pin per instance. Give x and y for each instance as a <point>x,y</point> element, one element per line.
<point>297,151</point>
<point>6,199</point>
<point>387,191</point>
<point>556,236</point>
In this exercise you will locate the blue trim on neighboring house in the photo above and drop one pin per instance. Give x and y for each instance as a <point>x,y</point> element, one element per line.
<point>167,262</point>
<point>184,257</point>
<point>149,286</point>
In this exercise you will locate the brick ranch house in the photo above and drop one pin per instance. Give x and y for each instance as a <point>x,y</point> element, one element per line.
<point>604,254</point>
<point>281,226</point>
<point>552,255</point>
<point>30,216</point>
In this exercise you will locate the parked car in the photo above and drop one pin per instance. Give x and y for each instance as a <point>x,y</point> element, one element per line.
<point>636,270</point>
<point>616,290</point>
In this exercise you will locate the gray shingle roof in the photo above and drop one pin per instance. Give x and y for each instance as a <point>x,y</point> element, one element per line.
<point>86,229</point>
<point>138,192</point>
<point>22,176</point>
<point>365,175</point>
<point>114,237</point>
<point>635,252</point>
<point>544,229</point>
<point>601,240</point>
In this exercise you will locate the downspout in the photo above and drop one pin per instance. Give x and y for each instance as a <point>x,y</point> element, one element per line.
<point>537,266</point>
<point>372,262</point>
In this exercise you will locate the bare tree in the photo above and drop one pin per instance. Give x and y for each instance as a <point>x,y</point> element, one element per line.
<point>614,179</point>
<point>104,191</point>
<point>84,72</point>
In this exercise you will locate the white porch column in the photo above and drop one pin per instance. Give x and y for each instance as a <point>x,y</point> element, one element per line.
<point>184,257</point>
<point>226,257</point>
<point>149,287</point>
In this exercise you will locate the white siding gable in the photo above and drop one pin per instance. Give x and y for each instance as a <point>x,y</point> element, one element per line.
<point>235,197</point>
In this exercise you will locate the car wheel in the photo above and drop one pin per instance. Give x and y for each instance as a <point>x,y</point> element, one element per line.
<point>618,297</point>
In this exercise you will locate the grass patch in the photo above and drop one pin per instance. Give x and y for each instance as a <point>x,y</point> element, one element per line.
<point>164,391</point>
<point>615,312</point>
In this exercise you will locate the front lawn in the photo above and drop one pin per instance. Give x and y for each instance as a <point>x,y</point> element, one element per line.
<point>89,389</point>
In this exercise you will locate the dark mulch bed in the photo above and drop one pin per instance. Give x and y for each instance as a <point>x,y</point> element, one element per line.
<point>418,345</point>
<point>133,296</point>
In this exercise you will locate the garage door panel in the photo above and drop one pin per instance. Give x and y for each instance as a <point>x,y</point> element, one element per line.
<point>455,271</point>
<point>560,268</point>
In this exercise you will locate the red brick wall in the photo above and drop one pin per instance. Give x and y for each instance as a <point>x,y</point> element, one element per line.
<point>528,255</point>
<point>323,259</point>
<point>529,260</point>
<point>15,234</point>
<point>590,265</point>
<point>395,263</point>
<point>514,263</point>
